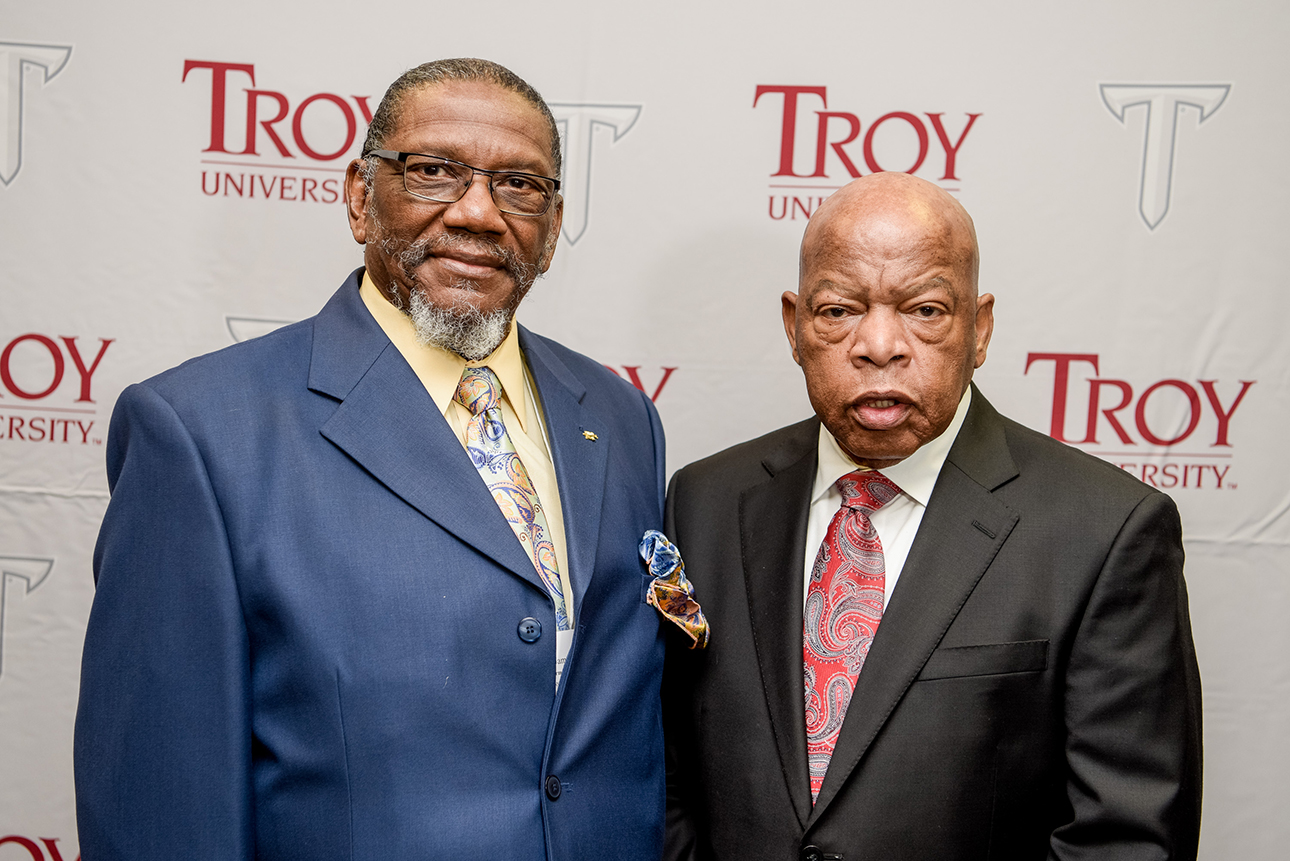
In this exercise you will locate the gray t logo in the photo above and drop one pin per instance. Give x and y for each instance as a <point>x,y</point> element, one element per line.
<point>577,124</point>
<point>16,59</point>
<point>30,572</point>
<point>1163,102</point>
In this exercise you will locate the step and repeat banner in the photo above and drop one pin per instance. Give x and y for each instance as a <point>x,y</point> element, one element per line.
<point>170,183</point>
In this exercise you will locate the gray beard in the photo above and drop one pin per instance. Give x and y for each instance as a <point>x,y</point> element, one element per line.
<point>459,328</point>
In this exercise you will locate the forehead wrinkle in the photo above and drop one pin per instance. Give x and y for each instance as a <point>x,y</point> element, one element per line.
<point>469,154</point>
<point>911,254</point>
<point>462,143</point>
<point>474,127</point>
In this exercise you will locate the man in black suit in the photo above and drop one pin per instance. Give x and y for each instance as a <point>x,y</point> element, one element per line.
<point>997,660</point>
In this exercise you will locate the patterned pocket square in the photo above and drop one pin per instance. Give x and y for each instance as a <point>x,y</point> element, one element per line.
<point>670,592</point>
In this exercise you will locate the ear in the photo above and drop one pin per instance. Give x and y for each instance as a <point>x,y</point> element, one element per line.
<point>557,218</point>
<point>356,200</point>
<point>788,308</point>
<point>984,326</point>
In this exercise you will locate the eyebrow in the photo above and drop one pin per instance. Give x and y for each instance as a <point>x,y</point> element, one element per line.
<point>922,286</point>
<point>523,165</point>
<point>934,281</point>
<point>906,293</point>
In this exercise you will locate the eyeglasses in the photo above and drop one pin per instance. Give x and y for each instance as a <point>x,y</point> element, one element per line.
<point>443,180</point>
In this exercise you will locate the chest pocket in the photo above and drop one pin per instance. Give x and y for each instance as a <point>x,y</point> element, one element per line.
<point>1025,656</point>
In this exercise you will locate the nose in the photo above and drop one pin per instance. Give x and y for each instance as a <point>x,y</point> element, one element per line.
<point>880,338</point>
<point>476,211</point>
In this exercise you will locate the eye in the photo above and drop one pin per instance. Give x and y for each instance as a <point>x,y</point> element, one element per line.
<point>927,312</point>
<point>833,312</point>
<point>425,170</point>
<point>517,182</point>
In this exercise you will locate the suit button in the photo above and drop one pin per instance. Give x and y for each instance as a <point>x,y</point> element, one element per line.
<point>530,629</point>
<point>812,853</point>
<point>552,787</point>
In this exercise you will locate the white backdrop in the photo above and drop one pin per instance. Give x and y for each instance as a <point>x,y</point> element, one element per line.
<point>1125,165</point>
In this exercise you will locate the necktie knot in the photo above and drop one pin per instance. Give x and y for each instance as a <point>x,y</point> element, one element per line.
<point>867,489</point>
<point>478,390</point>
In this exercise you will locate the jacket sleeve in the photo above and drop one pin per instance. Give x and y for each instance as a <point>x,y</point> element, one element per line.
<point>162,746</point>
<point>1132,703</point>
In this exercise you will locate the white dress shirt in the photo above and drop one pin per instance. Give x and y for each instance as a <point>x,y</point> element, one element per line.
<point>897,522</point>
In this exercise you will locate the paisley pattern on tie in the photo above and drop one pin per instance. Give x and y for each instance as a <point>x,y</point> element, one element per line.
<point>843,608</point>
<point>671,592</point>
<point>494,456</point>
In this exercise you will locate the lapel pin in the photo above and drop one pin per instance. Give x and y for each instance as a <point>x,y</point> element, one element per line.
<point>591,436</point>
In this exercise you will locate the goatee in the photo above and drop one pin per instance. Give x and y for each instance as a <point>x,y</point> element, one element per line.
<point>459,327</point>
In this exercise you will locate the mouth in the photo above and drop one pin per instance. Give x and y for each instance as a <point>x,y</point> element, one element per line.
<point>881,411</point>
<point>469,264</point>
<point>463,257</point>
<point>460,263</point>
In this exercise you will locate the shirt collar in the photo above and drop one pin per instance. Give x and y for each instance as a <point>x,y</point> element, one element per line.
<point>440,370</point>
<point>915,475</point>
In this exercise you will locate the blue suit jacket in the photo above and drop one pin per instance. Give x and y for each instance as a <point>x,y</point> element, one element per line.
<point>304,642</point>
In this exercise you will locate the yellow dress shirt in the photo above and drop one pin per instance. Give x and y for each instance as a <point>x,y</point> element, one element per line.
<point>440,372</point>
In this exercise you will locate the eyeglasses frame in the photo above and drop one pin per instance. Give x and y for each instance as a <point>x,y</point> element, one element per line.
<point>402,158</point>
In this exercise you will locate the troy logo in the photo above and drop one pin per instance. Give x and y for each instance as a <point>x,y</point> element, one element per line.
<point>266,109</point>
<point>578,123</point>
<point>835,130</point>
<point>21,358</point>
<point>1108,398</point>
<point>23,573</point>
<point>34,367</point>
<point>16,60</point>
<point>1163,103</point>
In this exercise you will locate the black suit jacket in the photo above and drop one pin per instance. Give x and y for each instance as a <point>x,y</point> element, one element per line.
<point>1032,691</point>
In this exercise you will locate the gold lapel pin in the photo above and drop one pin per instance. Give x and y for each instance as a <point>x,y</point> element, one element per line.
<point>591,436</point>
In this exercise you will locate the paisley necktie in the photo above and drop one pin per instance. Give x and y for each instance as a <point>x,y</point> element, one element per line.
<point>843,608</point>
<point>491,450</point>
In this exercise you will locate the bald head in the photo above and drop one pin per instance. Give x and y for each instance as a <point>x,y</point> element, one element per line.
<point>895,206</point>
<point>888,325</point>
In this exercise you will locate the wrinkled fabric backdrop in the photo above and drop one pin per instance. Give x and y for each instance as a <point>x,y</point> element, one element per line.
<point>172,181</point>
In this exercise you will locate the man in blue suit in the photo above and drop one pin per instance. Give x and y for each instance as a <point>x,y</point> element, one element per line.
<point>326,625</point>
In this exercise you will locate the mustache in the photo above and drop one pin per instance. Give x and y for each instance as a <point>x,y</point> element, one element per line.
<point>412,254</point>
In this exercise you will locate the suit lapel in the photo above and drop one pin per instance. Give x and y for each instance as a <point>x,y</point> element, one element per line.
<point>772,523</point>
<point>960,534</point>
<point>581,461</point>
<point>390,426</point>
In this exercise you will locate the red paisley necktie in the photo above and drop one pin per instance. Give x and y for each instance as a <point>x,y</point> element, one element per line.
<point>843,609</point>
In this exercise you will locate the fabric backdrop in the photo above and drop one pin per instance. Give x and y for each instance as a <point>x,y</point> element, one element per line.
<point>170,183</point>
